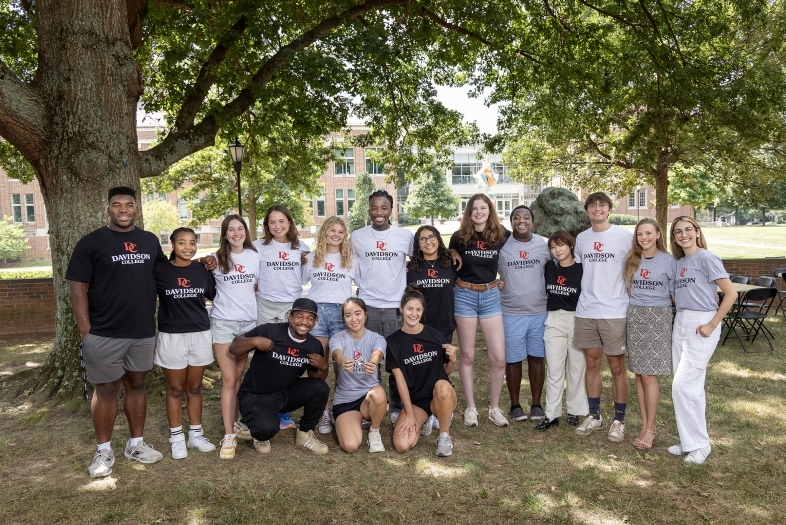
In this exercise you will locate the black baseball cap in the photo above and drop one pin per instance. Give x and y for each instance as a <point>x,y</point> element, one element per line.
<point>305,305</point>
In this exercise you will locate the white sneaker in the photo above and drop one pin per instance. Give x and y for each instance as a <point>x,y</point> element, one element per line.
<point>309,441</point>
<point>588,425</point>
<point>471,417</point>
<point>497,417</point>
<point>444,446</point>
<point>263,447</point>
<point>241,431</point>
<point>102,464</point>
<point>178,446</point>
<point>375,442</point>
<point>677,450</point>
<point>228,447</point>
<point>425,430</point>
<point>325,423</point>
<point>617,431</point>
<point>143,453</point>
<point>200,442</point>
<point>698,456</point>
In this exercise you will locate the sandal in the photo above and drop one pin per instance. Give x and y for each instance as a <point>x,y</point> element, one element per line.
<point>642,445</point>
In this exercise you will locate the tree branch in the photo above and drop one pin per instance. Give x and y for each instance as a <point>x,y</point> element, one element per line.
<point>609,14</point>
<point>207,75</point>
<point>137,11</point>
<point>180,4</point>
<point>649,16</point>
<point>23,115</point>
<point>182,142</point>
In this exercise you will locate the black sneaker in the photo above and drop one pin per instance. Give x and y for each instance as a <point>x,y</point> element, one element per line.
<point>573,420</point>
<point>547,424</point>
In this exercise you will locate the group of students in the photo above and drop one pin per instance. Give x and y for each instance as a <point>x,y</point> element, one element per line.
<point>558,302</point>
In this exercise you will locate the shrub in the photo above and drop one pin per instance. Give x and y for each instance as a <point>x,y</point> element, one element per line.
<point>404,219</point>
<point>623,220</point>
<point>27,274</point>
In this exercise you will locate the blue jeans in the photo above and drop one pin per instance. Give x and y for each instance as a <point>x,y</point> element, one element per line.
<point>476,305</point>
<point>330,320</point>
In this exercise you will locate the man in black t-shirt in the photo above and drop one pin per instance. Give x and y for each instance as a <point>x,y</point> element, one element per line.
<point>113,297</point>
<point>273,383</point>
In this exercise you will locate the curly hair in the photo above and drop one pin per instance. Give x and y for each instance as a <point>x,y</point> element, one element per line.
<point>443,255</point>
<point>320,246</point>
<point>493,233</point>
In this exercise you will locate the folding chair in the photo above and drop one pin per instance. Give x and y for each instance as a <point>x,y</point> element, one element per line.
<point>765,282</point>
<point>778,272</point>
<point>741,279</point>
<point>751,322</point>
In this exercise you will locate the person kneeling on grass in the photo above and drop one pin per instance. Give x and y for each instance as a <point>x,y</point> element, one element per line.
<point>421,364</point>
<point>358,396</point>
<point>273,383</point>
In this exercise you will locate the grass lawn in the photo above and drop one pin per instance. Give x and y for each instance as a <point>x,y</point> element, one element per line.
<point>496,475</point>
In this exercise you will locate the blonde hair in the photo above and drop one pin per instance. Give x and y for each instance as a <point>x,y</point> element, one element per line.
<point>633,260</point>
<point>493,233</point>
<point>320,248</point>
<point>676,250</point>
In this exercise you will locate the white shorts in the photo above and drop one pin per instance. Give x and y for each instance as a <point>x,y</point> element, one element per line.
<point>224,331</point>
<point>177,351</point>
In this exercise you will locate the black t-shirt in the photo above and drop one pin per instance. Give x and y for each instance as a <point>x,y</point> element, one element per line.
<point>563,286</point>
<point>182,291</point>
<point>436,283</point>
<point>479,262</point>
<point>278,369</point>
<point>118,268</point>
<point>420,358</point>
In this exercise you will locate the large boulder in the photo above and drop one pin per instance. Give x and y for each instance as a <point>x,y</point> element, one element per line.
<point>559,209</point>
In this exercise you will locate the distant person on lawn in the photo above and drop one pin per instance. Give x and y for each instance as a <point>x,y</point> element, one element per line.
<point>273,383</point>
<point>113,297</point>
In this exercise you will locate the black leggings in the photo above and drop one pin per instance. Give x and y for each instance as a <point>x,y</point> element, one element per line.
<point>260,411</point>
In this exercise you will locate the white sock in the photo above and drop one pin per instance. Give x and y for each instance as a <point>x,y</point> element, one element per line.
<point>373,430</point>
<point>176,431</point>
<point>135,441</point>
<point>104,446</point>
<point>443,434</point>
<point>196,429</point>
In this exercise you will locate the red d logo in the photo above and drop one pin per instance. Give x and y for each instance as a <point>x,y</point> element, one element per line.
<point>418,348</point>
<point>130,247</point>
<point>380,245</point>
<point>598,246</point>
<point>183,282</point>
<point>432,273</point>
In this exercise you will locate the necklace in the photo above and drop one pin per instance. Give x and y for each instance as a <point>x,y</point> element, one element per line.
<point>432,263</point>
<point>387,232</point>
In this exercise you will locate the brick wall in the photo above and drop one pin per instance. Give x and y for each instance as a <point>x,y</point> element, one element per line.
<point>27,306</point>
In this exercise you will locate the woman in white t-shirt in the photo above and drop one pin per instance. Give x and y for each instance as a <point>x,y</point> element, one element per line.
<point>234,312</point>
<point>649,276</point>
<point>357,353</point>
<point>697,328</point>
<point>329,269</point>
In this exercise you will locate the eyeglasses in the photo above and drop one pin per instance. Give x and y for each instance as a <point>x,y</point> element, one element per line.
<point>598,205</point>
<point>687,230</point>
<point>430,238</point>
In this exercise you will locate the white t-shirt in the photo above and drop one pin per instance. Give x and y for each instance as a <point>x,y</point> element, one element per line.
<point>603,291</point>
<point>330,283</point>
<point>235,299</point>
<point>279,271</point>
<point>381,260</point>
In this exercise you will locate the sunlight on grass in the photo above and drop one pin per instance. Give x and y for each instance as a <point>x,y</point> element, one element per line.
<point>595,517</point>
<point>735,370</point>
<point>99,485</point>
<point>394,462</point>
<point>196,517</point>
<point>756,410</point>
<point>432,469</point>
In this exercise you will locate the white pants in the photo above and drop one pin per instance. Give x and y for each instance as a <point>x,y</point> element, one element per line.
<point>558,338</point>
<point>690,354</point>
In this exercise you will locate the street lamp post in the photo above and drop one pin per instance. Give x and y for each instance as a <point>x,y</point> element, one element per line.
<point>236,151</point>
<point>638,189</point>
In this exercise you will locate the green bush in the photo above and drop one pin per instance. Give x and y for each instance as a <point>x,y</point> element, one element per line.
<point>30,274</point>
<point>404,219</point>
<point>623,220</point>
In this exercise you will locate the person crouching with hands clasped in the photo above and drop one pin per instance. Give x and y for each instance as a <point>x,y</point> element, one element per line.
<point>273,383</point>
<point>421,364</point>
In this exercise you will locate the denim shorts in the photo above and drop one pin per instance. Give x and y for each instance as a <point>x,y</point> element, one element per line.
<point>330,320</point>
<point>524,336</point>
<point>476,305</point>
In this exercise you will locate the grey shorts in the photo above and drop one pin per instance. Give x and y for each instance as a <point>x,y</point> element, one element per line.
<point>609,334</point>
<point>271,311</point>
<point>178,351</point>
<point>224,331</point>
<point>383,321</point>
<point>107,359</point>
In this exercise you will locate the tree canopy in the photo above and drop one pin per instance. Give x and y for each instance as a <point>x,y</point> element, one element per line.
<point>431,196</point>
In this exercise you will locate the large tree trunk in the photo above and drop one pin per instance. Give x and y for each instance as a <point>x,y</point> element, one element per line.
<point>90,83</point>
<point>662,189</point>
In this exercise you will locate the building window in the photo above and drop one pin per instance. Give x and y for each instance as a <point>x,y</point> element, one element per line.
<point>216,239</point>
<point>321,206</point>
<point>30,207</point>
<point>199,239</point>
<point>16,207</point>
<point>155,196</point>
<point>340,202</point>
<point>642,198</point>
<point>164,239</point>
<point>345,165</point>
<point>374,168</point>
<point>183,209</point>
<point>632,200</point>
<point>350,199</point>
